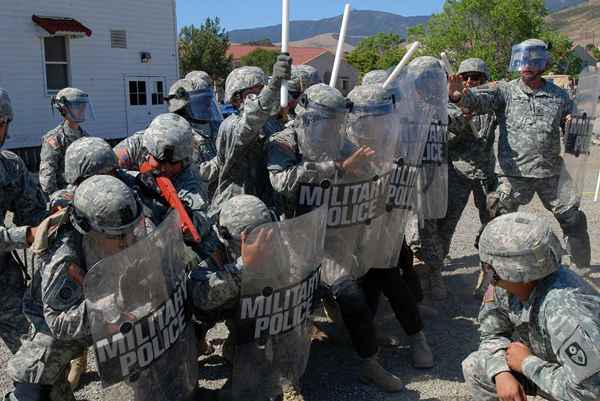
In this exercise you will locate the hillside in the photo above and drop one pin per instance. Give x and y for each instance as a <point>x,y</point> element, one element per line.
<point>580,23</point>
<point>327,41</point>
<point>555,5</point>
<point>362,24</point>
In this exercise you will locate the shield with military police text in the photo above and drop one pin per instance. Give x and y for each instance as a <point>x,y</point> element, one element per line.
<point>137,307</point>
<point>272,328</point>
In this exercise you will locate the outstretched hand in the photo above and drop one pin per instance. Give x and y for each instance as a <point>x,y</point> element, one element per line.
<point>455,86</point>
<point>255,252</point>
<point>352,163</point>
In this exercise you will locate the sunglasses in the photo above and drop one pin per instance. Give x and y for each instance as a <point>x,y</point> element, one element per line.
<point>472,76</point>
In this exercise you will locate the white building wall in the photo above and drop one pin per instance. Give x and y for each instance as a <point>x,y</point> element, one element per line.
<point>95,67</point>
<point>324,64</point>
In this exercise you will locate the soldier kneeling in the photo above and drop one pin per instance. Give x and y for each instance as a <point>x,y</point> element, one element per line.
<point>539,321</point>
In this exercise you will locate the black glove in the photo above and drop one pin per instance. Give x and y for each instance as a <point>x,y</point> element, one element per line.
<point>282,70</point>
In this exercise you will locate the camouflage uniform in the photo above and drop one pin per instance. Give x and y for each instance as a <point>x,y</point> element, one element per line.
<point>54,146</point>
<point>559,322</point>
<point>471,166</point>
<point>56,307</point>
<point>20,195</point>
<point>375,77</point>
<point>529,147</point>
<point>240,143</point>
<point>303,77</point>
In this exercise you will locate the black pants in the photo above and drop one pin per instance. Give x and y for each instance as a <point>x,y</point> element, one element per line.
<point>358,301</point>
<point>406,263</point>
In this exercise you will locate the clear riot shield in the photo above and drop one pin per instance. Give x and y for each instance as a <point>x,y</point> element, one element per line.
<point>136,300</point>
<point>357,199</point>
<point>432,196</point>
<point>414,116</point>
<point>272,330</point>
<point>578,137</point>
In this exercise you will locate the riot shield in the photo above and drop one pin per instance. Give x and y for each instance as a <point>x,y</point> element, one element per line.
<point>357,199</point>
<point>577,138</point>
<point>414,115</point>
<point>136,300</point>
<point>272,329</point>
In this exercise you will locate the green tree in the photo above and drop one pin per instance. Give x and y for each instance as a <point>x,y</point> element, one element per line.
<point>205,49</point>
<point>377,52</point>
<point>595,52</point>
<point>262,58</point>
<point>488,29</point>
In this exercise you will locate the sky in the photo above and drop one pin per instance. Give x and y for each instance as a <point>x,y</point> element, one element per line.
<point>237,14</point>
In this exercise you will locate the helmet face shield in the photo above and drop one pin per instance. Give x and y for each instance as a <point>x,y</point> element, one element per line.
<point>320,132</point>
<point>528,57</point>
<point>203,106</point>
<point>79,110</point>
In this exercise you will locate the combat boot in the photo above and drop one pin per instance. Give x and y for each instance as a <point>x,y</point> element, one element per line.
<point>437,285</point>
<point>373,373</point>
<point>78,367</point>
<point>291,392</point>
<point>422,357</point>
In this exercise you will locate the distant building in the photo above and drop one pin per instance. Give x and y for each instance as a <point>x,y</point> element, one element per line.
<point>319,58</point>
<point>587,60</point>
<point>109,48</point>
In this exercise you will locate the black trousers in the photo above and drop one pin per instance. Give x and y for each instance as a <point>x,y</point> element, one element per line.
<point>358,302</point>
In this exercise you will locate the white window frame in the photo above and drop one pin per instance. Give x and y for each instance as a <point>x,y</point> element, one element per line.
<point>47,91</point>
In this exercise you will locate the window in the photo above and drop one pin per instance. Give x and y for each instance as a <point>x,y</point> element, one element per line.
<point>56,63</point>
<point>137,93</point>
<point>345,83</point>
<point>118,39</point>
<point>158,96</point>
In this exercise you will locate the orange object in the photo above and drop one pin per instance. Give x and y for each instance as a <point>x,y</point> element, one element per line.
<point>169,193</point>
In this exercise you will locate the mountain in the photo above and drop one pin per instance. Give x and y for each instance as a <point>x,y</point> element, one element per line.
<point>362,24</point>
<point>580,23</point>
<point>327,41</point>
<point>555,5</point>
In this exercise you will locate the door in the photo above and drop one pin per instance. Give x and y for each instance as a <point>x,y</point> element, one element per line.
<point>145,100</point>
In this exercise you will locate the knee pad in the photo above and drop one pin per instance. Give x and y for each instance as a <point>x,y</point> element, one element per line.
<point>31,392</point>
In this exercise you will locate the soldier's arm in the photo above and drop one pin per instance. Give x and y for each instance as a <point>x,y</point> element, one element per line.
<point>213,289</point>
<point>130,153</point>
<point>49,165</point>
<point>62,292</point>
<point>30,207</point>
<point>574,337</point>
<point>209,170</point>
<point>484,99</point>
<point>286,172</point>
<point>13,238</point>
<point>495,329</point>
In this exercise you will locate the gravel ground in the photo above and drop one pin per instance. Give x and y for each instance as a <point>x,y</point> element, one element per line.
<point>333,368</point>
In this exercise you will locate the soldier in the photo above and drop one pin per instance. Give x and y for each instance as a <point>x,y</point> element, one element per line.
<point>375,77</point>
<point>303,77</point>
<point>20,195</point>
<point>539,321</point>
<point>471,159</point>
<point>240,153</point>
<point>74,106</point>
<point>531,114</point>
<point>195,102</point>
<point>101,205</point>
<point>199,78</point>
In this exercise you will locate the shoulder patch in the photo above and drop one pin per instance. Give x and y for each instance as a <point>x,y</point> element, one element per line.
<point>53,142</point>
<point>490,295</point>
<point>580,355</point>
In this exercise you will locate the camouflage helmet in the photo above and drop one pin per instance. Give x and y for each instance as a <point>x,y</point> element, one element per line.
<point>375,77</point>
<point>200,79</point>
<point>303,77</point>
<point>534,42</point>
<point>474,65</point>
<point>520,247</point>
<point>6,112</point>
<point>104,204</point>
<point>242,213</point>
<point>243,78</point>
<point>365,96</point>
<point>178,97</point>
<point>430,79</point>
<point>169,139</point>
<point>321,97</point>
<point>70,95</point>
<point>87,157</point>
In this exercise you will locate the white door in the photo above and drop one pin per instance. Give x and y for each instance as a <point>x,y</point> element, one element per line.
<point>145,100</point>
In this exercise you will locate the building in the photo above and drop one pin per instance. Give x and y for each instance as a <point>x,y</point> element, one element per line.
<point>320,58</point>
<point>122,53</point>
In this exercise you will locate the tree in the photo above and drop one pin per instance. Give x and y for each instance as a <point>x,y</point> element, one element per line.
<point>488,29</point>
<point>262,58</point>
<point>261,42</point>
<point>378,52</point>
<point>205,49</point>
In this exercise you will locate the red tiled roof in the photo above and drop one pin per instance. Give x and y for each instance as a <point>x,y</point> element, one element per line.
<point>54,24</point>
<point>300,55</point>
